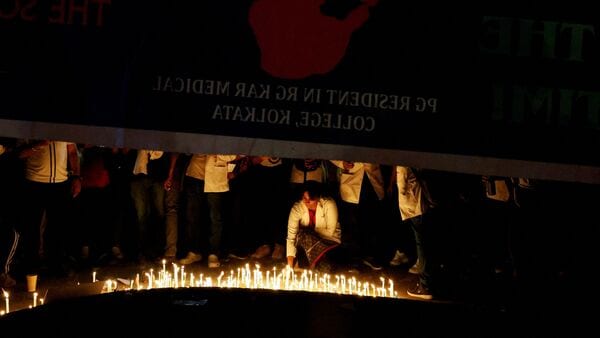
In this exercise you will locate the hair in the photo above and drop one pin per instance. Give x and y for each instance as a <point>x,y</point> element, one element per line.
<point>314,189</point>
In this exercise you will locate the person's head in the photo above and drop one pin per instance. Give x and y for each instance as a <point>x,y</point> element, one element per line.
<point>311,194</point>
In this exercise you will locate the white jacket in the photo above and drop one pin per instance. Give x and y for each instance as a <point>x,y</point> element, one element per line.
<point>326,222</point>
<point>351,180</point>
<point>49,163</point>
<point>410,193</point>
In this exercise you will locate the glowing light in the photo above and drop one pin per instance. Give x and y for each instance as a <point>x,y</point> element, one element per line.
<point>7,302</point>
<point>284,279</point>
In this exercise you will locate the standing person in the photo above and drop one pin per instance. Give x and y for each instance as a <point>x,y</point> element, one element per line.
<point>172,186</point>
<point>313,226</point>
<point>267,185</point>
<point>9,237</point>
<point>120,170</point>
<point>362,191</point>
<point>414,204</point>
<point>52,180</point>
<point>148,193</point>
<point>206,185</point>
<point>94,204</point>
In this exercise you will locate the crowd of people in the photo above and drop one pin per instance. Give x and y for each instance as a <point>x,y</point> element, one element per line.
<point>64,203</point>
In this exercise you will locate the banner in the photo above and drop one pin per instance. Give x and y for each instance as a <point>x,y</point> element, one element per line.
<point>480,88</point>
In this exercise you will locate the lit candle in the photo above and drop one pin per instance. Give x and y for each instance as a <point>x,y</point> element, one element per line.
<point>6,301</point>
<point>137,281</point>
<point>182,276</point>
<point>41,301</point>
<point>94,277</point>
<point>35,294</point>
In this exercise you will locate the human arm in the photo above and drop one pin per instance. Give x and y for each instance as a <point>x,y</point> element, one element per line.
<point>168,184</point>
<point>73,158</point>
<point>293,225</point>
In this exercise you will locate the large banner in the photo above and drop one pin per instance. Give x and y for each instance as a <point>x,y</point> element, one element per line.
<point>504,89</point>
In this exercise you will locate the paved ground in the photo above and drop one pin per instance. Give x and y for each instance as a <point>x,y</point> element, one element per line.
<point>79,283</point>
<point>470,307</point>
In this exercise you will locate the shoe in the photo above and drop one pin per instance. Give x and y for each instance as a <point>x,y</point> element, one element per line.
<point>399,259</point>
<point>370,262</point>
<point>6,281</point>
<point>419,291</point>
<point>213,261</point>
<point>262,252</point>
<point>233,255</point>
<point>278,252</point>
<point>191,257</point>
<point>415,269</point>
<point>116,252</point>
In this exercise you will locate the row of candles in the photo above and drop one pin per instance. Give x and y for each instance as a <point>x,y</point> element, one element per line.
<point>244,277</point>
<point>7,302</point>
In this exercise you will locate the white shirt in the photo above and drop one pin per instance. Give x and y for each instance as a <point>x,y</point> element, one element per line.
<point>49,163</point>
<point>141,161</point>
<point>212,169</point>
<point>326,222</point>
<point>351,180</point>
<point>298,175</point>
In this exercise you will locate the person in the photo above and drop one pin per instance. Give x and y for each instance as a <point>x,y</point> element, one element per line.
<point>148,192</point>
<point>362,191</point>
<point>414,204</point>
<point>267,184</point>
<point>206,185</point>
<point>9,237</point>
<point>52,180</point>
<point>313,227</point>
<point>94,206</point>
<point>172,186</point>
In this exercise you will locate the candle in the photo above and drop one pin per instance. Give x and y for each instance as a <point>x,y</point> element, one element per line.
<point>35,294</point>
<point>94,277</point>
<point>41,301</point>
<point>182,276</point>
<point>7,302</point>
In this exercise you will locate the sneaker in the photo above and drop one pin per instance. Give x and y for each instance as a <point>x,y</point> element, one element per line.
<point>191,257</point>
<point>399,259</point>
<point>234,255</point>
<point>261,252</point>
<point>278,252</point>
<point>6,281</point>
<point>116,252</point>
<point>213,261</point>
<point>370,262</point>
<point>419,291</point>
<point>415,269</point>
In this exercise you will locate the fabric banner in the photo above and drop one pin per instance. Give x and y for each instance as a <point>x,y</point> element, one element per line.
<point>484,81</point>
